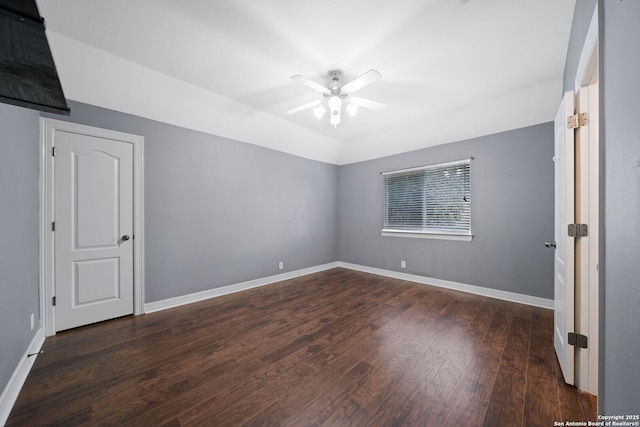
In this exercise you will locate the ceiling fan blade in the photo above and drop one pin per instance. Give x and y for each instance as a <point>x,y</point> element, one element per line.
<point>304,106</point>
<point>361,81</point>
<point>367,103</point>
<point>311,84</point>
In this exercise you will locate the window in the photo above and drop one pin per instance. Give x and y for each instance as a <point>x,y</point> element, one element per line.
<point>429,201</point>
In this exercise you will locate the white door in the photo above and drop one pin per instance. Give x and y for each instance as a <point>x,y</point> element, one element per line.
<point>564,291</point>
<point>93,213</point>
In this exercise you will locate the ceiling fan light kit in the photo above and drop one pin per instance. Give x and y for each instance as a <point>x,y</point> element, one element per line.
<point>319,111</point>
<point>336,95</point>
<point>335,103</point>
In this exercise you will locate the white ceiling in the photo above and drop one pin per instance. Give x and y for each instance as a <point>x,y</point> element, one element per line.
<point>452,69</point>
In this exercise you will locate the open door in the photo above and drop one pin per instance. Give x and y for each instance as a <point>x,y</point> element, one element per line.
<point>564,260</point>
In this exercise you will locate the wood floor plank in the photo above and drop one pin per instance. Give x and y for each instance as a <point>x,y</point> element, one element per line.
<point>339,347</point>
<point>408,338</point>
<point>271,416</point>
<point>297,401</point>
<point>569,399</point>
<point>233,408</point>
<point>318,410</point>
<point>589,406</point>
<point>460,387</point>
<point>473,398</point>
<point>507,401</point>
<point>332,363</point>
<point>541,399</point>
<point>451,353</point>
<point>323,337</point>
<point>350,414</point>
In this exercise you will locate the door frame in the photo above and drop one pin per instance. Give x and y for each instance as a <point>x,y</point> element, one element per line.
<point>48,127</point>
<point>588,287</point>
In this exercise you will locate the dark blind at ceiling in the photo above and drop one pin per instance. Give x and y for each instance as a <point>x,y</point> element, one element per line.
<point>24,8</point>
<point>28,76</point>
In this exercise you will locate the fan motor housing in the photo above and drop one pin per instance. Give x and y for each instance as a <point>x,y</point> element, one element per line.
<point>335,76</point>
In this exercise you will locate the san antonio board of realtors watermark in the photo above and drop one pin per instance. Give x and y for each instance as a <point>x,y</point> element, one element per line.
<point>604,421</point>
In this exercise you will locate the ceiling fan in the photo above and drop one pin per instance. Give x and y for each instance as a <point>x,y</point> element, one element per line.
<point>336,94</point>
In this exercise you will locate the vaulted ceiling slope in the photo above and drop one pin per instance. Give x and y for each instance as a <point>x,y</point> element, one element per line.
<point>452,69</point>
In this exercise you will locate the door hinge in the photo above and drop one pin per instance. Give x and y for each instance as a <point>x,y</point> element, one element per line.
<point>577,340</point>
<point>54,300</point>
<point>53,151</point>
<point>577,120</point>
<point>53,226</point>
<point>578,230</point>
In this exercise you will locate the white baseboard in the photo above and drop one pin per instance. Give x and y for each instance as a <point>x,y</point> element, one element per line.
<point>11,391</point>
<point>224,290</point>
<point>478,290</point>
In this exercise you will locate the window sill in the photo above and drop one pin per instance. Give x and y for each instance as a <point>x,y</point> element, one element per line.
<point>425,235</point>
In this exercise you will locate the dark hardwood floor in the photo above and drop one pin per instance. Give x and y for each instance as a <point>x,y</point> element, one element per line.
<point>336,348</point>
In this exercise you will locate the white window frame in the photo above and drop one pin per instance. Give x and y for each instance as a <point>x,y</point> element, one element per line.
<point>426,233</point>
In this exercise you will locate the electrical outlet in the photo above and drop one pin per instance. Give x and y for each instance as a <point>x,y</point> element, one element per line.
<point>32,321</point>
<point>403,264</point>
<point>281,265</point>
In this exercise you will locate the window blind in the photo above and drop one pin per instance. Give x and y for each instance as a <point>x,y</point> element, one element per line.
<point>429,199</point>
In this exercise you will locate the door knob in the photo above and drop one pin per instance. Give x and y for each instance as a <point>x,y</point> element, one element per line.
<point>550,244</point>
<point>126,237</point>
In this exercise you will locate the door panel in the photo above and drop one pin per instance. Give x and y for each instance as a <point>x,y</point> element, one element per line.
<point>93,209</point>
<point>95,281</point>
<point>564,291</point>
<point>97,200</point>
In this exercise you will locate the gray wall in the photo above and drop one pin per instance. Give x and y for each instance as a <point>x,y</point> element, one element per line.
<point>19,171</point>
<point>512,214</point>
<point>219,212</point>
<point>620,136</point>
